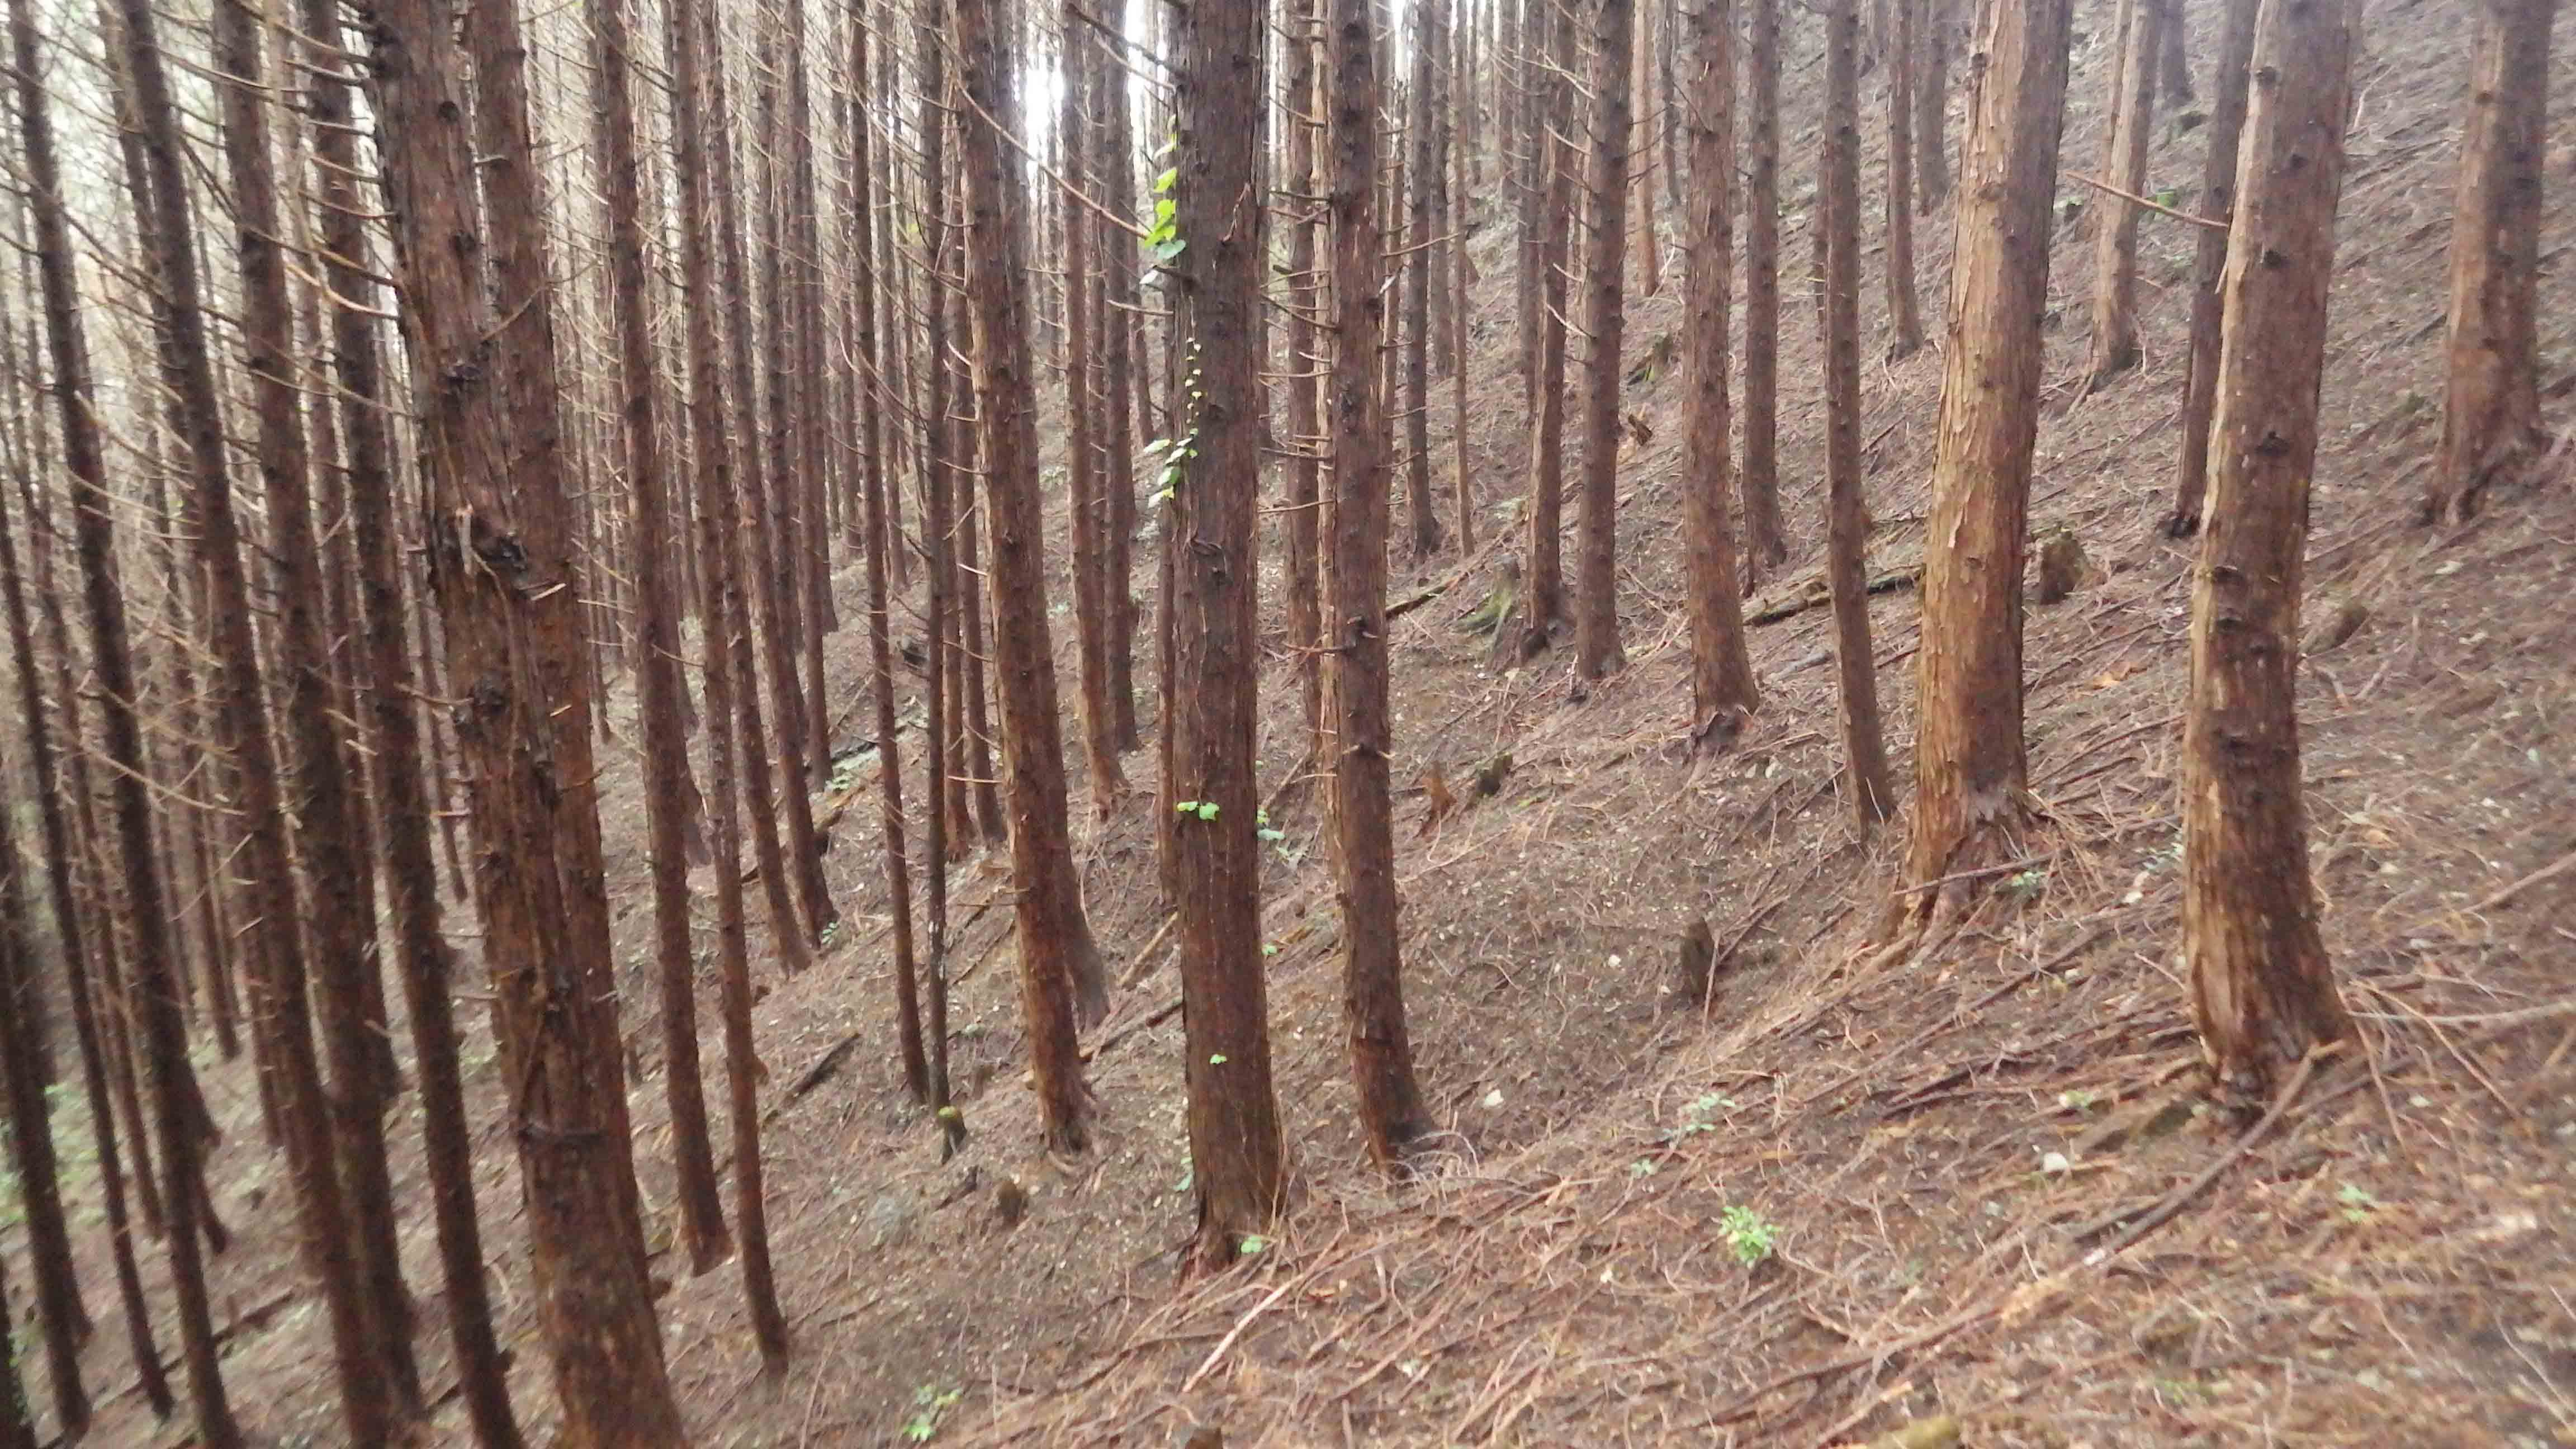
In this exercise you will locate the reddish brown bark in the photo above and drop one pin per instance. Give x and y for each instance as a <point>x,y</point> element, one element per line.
<point>1904,306</point>
<point>2263,992</point>
<point>1061,974</point>
<point>2115,239</point>
<point>1846,513</point>
<point>486,385</point>
<point>1235,1149</point>
<point>2208,305</point>
<point>1765,545</point>
<point>1722,687</point>
<point>349,1227</point>
<point>1597,651</point>
<point>1971,769</point>
<point>2491,398</point>
<point>1355,659</point>
<point>68,351</point>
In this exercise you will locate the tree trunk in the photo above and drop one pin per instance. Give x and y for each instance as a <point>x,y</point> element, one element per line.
<point>1596,597</point>
<point>1306,353</point>
<point>1648,151</point>
<point>1543,580</point>
<point>2173,45</point>
<point>1124,355</point>
<point>667,786</point>
<point>2208,309</point>
<point>728,658</point>
<point>23,1071</point>
<point>1765,545</point>
<point>17,1423</point>
<point>781,495</point>
<point>2115,238</point>
<point>403,802</point>
<point>1355,662</point>
<point>1092,622</point>
<point>369,1381</point>
<point>342,921</point>
<point>1423,171</point>
<point>760,792</point>
<point>71,926</point>
<point>1847,521</point>
<point>1971,771</point>
<point>1904,307</point>
<point>2491,399</point>
<point>1932,104</point>
<point>1235,1152</point>
<point>2262,990</point>
<point>486,386</point>
<point>83,458</point>
<point>1460,201</point>
<point>1722,688</point>
<point>1062,977</point>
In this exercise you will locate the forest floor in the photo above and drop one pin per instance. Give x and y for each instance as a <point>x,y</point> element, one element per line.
<point>1945,1159</point>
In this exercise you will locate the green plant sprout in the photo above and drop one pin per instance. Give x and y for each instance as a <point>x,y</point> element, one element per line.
<point>930,1403</point>
<point>1203,809</point>
<point>1748,1234</point>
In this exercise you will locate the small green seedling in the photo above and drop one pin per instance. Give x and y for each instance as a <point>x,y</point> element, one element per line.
<point>2026,885</point>
<point>2357,1203</point>
<point>1203,809</point>
<point>929,1404</point>
<point>1748,1234</point>
<point>1700,1116</point>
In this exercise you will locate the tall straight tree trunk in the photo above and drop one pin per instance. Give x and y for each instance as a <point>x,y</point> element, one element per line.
<point>341,924</point>
<point>667,786</point>
<point>811,567</point>
<point>2173,44</point>
<point>500,561</point>
<point>782,496</point>
<point>72,927</point>
<point>760,792</point>
<point>1846,513</point>
<point>1605,316</point>
<point>1062,978</point>
<point>2263,992</point>
<point>403,802</point>
<point>1462,272</point>
<point>2491,398</point>
<point>1904,306</point>
<point>2115,240</point>
<point>1306,353</point>
<point>1092,620</point>
<point>876,538</point>
<point>1648,152</point>
<point>1937,24</point>
<point>1543,578</point>
<point>1422,171</point>
<point>2208,306</point>
<point>369,1383</point>
<point>1971,769</point>
<point>1235,1150</point>
<point>1722,688</point>
<point>63,1318</point>
<point>67,348</point>
<point>17,1422</point>
<point>1766,546</point>
<point>728,655</point>
<point>1124,354</point>
<point>1355,659</point>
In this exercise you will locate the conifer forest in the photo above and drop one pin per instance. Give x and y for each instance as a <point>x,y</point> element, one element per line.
<point>1287,723</point>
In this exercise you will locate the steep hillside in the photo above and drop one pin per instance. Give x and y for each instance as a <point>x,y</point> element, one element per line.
<point>1977,1183</point>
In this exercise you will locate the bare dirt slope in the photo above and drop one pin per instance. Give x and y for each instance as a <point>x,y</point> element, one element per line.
<point>1939,1165</point>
